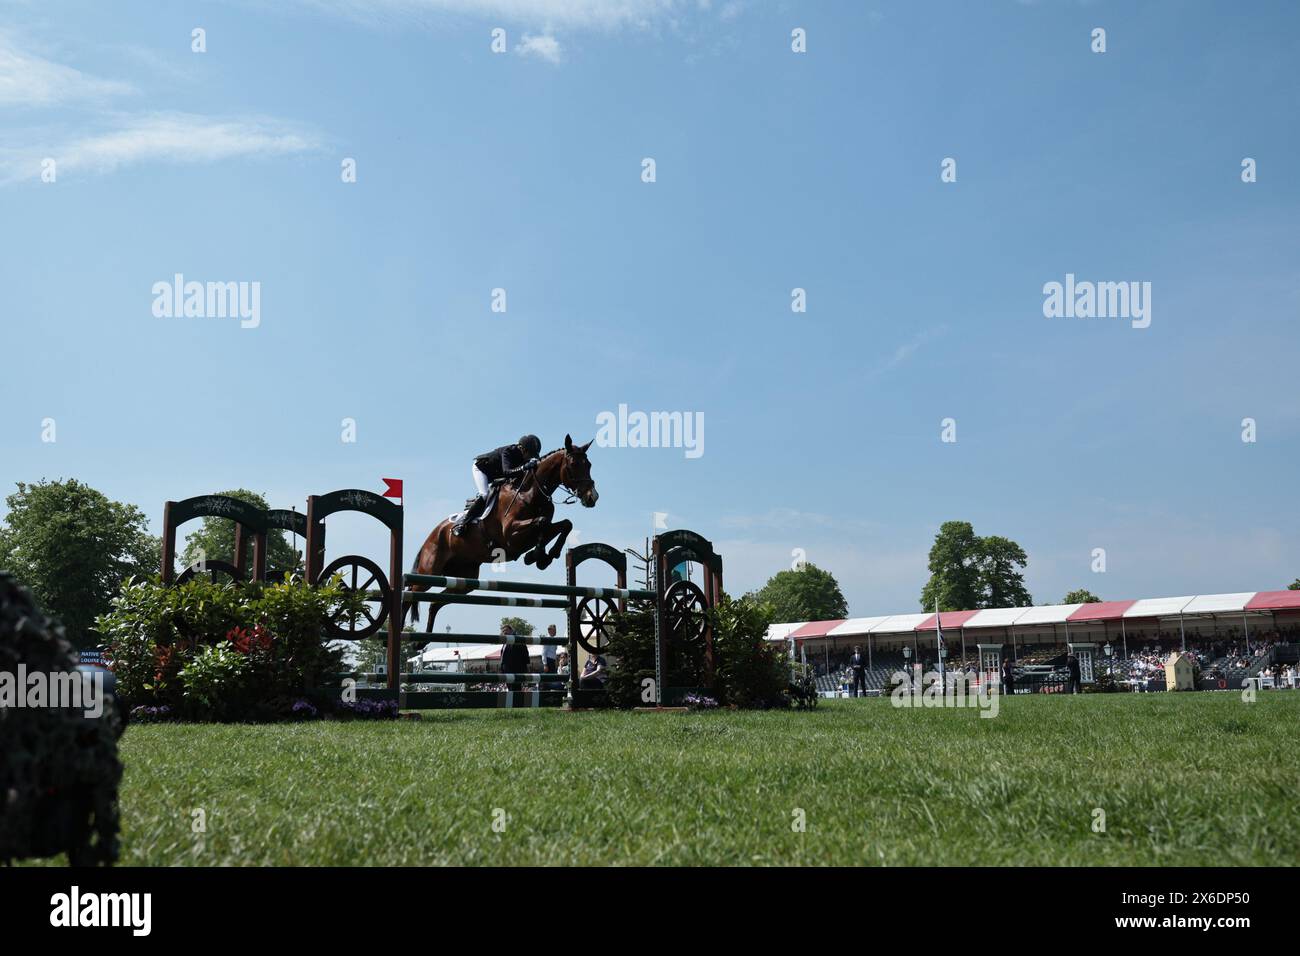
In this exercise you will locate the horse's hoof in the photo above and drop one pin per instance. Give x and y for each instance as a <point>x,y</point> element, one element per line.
<point>543,562</point>
<point>529,559</point>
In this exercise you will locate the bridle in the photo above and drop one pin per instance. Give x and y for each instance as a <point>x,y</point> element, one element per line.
<point>575,494</point>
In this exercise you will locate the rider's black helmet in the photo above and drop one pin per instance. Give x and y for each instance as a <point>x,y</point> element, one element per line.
<point>531,445</point>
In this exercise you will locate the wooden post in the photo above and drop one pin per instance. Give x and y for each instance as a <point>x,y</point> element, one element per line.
<point>259,555</point>
<point>168,544</point>
<point>241,546</point>
<point>396,587</point>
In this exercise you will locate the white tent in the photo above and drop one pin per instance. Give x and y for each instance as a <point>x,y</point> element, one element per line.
<point>900,623</point>
<point>1219,603</point>
<point>857,626</point>
<point>465,654</point>
<point>996,617</point>
<point>779,632</point>
<point>1158,607</point>
<point>1046,614</point>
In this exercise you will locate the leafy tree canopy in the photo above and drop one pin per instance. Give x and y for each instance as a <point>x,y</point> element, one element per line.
<point>969,572</point>
<point>520,626</point>
<point>808,594</point>
<point>74,547</point>
<point>1080,596</point>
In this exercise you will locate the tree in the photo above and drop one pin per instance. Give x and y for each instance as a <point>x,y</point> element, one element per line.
<point>968,572</point>
<point>215,541</point>
<point>1294,585</point>
<point>954,569</point>
<point>808,594</point>
<point>1081,596</point>
<point>1002,578</point>
<point>519,625</point>
<point>74,547</point>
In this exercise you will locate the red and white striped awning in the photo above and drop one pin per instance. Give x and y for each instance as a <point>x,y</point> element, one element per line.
<point>951,620</point>
<point>858,626</point>
<point>1046,614</point>
<point>814,629</point>
<point>1274,601</point>
<point>1101,611</point>
<point>1236,602</point>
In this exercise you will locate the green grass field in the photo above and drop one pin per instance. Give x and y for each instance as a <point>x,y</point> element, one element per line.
<point>1183,779</point>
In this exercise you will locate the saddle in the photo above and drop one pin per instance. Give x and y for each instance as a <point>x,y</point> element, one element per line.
<point>494,492</point>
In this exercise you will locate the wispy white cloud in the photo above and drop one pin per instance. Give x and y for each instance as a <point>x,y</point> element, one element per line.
<point>30,80</point>
<point>905,351</point>
<point>571,14</point>
<point>543,47</point>
<point>160,137</point>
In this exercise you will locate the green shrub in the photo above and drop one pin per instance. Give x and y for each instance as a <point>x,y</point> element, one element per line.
<point>225,651</point>
<point>212,678</point>
<point>631,649</point>
<point>749,672</point>
<point>752,672</point>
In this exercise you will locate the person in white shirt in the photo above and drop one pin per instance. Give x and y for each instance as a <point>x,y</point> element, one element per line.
<point>549,653</point>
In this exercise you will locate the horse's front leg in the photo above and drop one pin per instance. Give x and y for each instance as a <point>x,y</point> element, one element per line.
<point>538,534</point>
<point>542,556</point>
<point>562,529</point>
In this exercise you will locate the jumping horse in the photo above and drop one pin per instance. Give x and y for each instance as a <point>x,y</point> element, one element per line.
<point>519,524</point>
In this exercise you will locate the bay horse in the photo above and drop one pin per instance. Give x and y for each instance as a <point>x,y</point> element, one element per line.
<point>520,523</point>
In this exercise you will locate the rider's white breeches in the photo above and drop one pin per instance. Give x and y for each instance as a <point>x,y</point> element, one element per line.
<point>481,481</point>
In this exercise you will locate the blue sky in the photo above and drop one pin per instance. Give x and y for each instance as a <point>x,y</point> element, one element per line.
<point>774,170</point>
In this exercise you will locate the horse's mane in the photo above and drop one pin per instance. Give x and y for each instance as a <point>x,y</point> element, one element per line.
<point>557,451</point>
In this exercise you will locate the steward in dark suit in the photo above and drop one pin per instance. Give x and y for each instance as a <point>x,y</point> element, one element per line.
<point>858,666</point>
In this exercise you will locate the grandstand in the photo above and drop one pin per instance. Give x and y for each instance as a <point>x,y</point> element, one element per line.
<point>1230,637</point>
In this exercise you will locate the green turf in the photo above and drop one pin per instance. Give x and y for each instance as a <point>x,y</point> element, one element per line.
<point>1183,779</point>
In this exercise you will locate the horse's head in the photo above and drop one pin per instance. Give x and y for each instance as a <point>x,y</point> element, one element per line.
<point>575,473</point>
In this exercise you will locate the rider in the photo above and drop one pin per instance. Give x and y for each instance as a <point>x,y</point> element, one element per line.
<point>493,465</point>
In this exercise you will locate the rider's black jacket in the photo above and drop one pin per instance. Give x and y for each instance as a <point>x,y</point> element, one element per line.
<point>496,463</point>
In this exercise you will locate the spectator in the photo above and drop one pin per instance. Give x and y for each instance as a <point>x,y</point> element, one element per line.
<point>858,670</point>
<point>550,662</point>
<point>514,657</point>
<point>594,673</point>
<point>1075,685</point>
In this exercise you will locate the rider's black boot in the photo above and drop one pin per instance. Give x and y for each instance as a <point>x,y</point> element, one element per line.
<point>466,516</point>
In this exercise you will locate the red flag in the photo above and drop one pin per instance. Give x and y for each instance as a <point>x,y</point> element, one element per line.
<point>394,488</point>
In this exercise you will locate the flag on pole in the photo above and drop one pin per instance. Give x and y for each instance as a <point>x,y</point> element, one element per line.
<point>394,488</point>
<point>939,646</point>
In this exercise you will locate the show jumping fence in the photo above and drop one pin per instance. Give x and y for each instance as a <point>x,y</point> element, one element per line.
<point>587,607</point>
<point>680,605</point>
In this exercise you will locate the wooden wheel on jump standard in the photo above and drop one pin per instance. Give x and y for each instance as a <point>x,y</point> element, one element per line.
<point>210,568</point>
<point>685,611</point>
<point>359,574</point>
<point>594,624</point>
